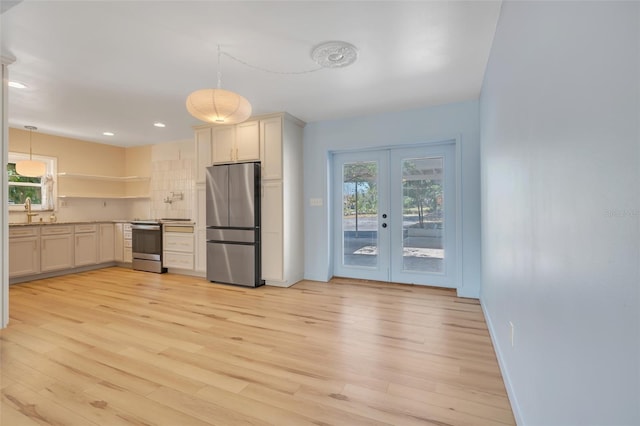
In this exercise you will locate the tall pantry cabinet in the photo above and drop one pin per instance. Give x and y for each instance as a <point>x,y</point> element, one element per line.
<point>276,141</point>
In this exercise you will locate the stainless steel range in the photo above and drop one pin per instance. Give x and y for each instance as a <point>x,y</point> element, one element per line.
<point>146,238</point>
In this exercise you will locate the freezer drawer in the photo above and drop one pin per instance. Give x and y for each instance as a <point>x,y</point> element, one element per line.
<point>230,263</point>
<point>235,235</point>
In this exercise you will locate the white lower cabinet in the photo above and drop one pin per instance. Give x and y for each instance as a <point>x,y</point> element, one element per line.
<point>122,243</point>
<point>118,242</point>
<point>178,246</point>
<point>128,255</point>
<point>106,245</point>
<point>86,245</point>
<point>56,248</point>
<point>44,248</point>
<point>201,229</point>
<point>201,250</point>
<point>24,251</point>
<point>272,250</point>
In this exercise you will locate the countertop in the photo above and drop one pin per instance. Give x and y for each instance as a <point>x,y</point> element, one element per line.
<point>77,222</point>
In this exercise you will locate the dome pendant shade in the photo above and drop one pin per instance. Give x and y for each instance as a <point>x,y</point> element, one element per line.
<point>31,168</point>
<point>218,106</point>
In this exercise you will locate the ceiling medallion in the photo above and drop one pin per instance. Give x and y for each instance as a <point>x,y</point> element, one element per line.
<point>334,54</point>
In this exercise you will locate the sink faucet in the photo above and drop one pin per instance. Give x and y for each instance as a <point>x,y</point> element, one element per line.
<point>27,207</point>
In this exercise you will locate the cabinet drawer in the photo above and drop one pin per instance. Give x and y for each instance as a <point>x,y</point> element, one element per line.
<point>178,242</point>
<point>85,228</point>
<point>177,260</point>
<point>128,255</point>
<point>126,227</point>
<point>27,231</point>
<point>178,229</point>
<point>127,243</point>
<point>56,230</point>
<point>127,235</point>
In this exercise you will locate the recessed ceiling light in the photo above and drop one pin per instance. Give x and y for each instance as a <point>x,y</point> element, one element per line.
<point>17,85</point>
<point>159,124</point>
<point>108,133</point>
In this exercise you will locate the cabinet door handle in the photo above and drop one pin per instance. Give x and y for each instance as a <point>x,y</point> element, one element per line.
<point>236,154</point>
<point>231,153</point>
<point>35,246</point>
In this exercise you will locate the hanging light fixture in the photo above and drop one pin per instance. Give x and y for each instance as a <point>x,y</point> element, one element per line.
<point>217,105</point>
<point>31,168</point>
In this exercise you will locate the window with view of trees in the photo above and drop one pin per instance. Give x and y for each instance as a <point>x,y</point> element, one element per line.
<point>21,187</point>
<point>39,189</point>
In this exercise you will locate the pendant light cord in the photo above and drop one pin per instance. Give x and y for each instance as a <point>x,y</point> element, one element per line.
<point>219,70</point>
<point>265,69</point>
<point>31,129</point>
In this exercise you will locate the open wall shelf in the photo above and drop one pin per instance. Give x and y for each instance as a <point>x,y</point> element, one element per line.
<point>105,178</point>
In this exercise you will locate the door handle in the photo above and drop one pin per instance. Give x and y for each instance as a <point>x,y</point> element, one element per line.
<point>384,225</point>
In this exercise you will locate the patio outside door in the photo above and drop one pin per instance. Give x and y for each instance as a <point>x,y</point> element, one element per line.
<point>394,218</point>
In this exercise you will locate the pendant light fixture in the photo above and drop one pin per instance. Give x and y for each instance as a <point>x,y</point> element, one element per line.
<point>218,106</point>
<point>31,168</point>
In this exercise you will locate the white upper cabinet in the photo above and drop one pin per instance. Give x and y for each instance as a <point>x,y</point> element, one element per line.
<point>236,143</point>
<point>224,144</point>
<point>271,148</point>
<point>247,141</point>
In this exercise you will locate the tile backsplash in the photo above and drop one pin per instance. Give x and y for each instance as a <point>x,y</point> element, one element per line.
<point>172,189</point>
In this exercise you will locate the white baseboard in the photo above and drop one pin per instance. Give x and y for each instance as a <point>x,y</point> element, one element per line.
<point>515,407</point>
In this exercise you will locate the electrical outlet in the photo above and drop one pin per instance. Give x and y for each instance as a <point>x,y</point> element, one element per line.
<point>315,202</point>
<point>63,203</point>
<point>512,331</point>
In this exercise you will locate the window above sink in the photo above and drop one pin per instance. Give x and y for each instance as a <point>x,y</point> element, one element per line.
<point>41,190</point>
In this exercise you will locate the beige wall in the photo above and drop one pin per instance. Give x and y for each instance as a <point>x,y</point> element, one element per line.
<point>138,163</point>
<point>74,155</point>
<point>83,157</point>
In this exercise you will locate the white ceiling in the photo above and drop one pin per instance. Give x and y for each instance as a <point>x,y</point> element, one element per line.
<point>95,66</point>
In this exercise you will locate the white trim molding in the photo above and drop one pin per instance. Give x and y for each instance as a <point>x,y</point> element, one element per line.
<point>4,195</point>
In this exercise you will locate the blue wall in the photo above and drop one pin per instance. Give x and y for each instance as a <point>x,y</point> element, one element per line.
<point>561,209</point>
<point>439,123</point>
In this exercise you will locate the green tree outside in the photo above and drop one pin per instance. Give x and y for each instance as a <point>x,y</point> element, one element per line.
<point>18,194</point>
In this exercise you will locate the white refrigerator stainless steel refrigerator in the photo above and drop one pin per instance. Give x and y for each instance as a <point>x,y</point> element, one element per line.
<point>233,224</point>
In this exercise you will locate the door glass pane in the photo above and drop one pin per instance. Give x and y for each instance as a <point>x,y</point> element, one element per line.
<point>423,219</point>
<point>360,214</point>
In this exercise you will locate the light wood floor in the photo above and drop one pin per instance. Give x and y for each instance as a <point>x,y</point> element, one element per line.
<point>121,347</point>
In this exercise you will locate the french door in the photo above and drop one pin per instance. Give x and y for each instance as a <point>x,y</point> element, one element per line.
<point>395,215</point>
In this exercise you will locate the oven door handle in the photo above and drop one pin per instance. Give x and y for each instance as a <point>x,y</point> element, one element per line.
<point>146,227</point>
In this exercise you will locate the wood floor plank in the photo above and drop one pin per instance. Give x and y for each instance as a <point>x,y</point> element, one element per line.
<point>141,407</point>
<point>323,414</point>
<point>132,382</point>
<point>499,415</point>
<point>40,409</point>
<point>94,410</point>
<point>123,347</point>
<point>10,415</point>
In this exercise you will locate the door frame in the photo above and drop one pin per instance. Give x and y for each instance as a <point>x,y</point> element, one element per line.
<point>456,140</point>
